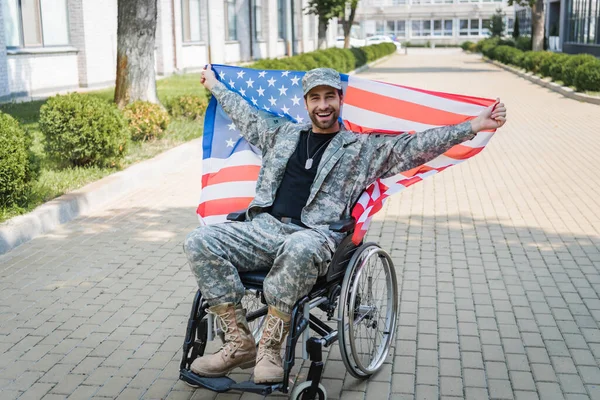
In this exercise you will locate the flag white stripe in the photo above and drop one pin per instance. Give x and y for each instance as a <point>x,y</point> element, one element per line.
<point>228,190</point>
<point>238,159</point>
<point>213,219</point>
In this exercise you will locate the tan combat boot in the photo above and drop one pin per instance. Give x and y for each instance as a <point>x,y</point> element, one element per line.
<point>269,366</point>
<point>239,349</point>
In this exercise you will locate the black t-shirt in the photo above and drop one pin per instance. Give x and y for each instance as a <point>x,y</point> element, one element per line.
<point>294,190</point>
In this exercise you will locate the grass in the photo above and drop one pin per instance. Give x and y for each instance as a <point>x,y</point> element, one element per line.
<point>54,181</point>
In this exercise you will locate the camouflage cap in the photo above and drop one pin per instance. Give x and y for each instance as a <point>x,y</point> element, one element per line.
<point>321,76</point>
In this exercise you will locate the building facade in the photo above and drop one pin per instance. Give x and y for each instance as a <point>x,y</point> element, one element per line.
<point>48,46</point>
<point>444,22</point>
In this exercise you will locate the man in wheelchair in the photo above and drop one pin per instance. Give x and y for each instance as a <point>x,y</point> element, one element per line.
<point>311,176</point>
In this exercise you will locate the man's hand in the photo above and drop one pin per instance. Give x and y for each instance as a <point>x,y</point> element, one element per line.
<point>492,117</point>
<point>208,77</point>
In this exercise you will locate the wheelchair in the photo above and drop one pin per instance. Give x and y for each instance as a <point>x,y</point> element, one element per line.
<point>359,292</point>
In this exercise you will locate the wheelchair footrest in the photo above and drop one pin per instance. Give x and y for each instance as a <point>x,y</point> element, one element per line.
<point>225,384</point>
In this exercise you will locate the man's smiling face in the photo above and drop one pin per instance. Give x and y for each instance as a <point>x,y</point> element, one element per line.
<point>323,104</point>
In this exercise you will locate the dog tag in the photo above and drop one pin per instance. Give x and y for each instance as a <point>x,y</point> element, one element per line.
<point>308,164</point>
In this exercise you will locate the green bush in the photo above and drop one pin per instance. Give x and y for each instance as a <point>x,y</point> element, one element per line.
<point>466,46</point>
<point>307,61</point>
<point>555,69</point>
<point>549,64</point>
<point>532,60</point>
<point>343,60</point>
<point>146,120</point>
<point>523,43</point>
<point>507,54</point>
<point>187,106</point>
<point>17,164</point>
<point>570,67</point>
<point>359,55</point>
<point>82,130</point>
<point>587,76</point>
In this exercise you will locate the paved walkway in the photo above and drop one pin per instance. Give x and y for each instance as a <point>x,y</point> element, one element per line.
<point>499,259</point>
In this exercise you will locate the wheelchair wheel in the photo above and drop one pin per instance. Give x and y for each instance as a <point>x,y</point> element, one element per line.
<point>301,389</point>
<point>255,312</point>
<point>368,310</point>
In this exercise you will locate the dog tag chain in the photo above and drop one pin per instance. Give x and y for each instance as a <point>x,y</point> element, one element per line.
<point>309,159</point>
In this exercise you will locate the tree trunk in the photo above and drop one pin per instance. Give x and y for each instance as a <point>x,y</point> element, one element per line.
<point>136,33</point>
<point>537,26</point>
<point>322,43</point>
<point>348,26</point>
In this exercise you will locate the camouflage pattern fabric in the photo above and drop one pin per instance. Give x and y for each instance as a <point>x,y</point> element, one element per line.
<point>321,77</point>
<point>294,255</point>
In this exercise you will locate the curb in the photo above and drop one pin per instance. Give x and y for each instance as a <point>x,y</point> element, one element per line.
<point>555,87</point>
<point>91,197</point>
<point>95,195</point>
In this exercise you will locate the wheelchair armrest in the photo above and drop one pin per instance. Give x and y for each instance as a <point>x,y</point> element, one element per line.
<point>343,225</point>
<point>238,216</point>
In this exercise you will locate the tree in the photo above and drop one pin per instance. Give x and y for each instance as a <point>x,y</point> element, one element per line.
<point>497,24</point>
<point>347,23</point>
<point>136,34</point>
<point>537,21</point>
<point>516,32</point>
<point>325,10</point>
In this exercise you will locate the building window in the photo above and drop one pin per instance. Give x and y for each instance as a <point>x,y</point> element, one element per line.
<point>583,18</point>
<point>485,23</point>
<point>281,19</point>
<point>257,20</point>
<point>474,27</point>
<point>399,2</point>
<point>524,21</point>
<point>470,27</point>
<point>190,13</point>
<point>379,27</point>
<point>231,20</point>
<point>441,27</point>
<point>392,28</point>
<point>36,23</point>
<point>448,27</point>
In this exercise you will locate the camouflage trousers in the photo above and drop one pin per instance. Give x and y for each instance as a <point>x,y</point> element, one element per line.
<point>294,256</point>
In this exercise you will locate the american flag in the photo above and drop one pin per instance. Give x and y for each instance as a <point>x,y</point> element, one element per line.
<point>231,165</point>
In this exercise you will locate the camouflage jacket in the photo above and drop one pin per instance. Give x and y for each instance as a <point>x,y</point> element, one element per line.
<point>350,163</point>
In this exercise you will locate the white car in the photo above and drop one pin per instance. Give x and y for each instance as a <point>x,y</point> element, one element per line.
<point>376,39</point>
<point>354,42</point>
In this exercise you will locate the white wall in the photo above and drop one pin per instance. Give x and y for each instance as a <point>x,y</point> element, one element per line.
<point>100,27</point>
<point>38,73</point>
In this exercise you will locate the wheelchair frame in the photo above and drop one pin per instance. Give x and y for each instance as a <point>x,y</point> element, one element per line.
<point>324,295</point>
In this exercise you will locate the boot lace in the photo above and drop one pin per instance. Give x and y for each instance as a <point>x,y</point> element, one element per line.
<point>272,334</point>
<point>224,321</point>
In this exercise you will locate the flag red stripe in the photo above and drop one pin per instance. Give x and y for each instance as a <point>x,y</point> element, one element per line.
<point>223,206</point>
<point>400,108</point>
<point>230,174</point>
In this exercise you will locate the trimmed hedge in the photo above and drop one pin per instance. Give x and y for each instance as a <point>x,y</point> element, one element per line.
<point>342,60</point>
<point>82,130</point>
<point>580,70</point>
<point>17,165</point>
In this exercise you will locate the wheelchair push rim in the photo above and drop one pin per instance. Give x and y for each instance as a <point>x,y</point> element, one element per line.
<point>368,311</point>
